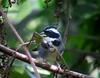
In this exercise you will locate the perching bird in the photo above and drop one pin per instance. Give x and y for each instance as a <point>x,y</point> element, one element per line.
<point>51,46</point>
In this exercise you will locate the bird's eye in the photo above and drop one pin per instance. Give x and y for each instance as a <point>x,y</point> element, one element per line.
<point>52,34</point>
<point>56,42</point>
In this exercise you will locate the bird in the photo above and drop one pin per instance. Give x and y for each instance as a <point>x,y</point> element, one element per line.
<point>51,46</point>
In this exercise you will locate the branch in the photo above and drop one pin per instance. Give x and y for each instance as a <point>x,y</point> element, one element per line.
<point>67,19</point>
<point>52,68</point>
<point>22,42</point>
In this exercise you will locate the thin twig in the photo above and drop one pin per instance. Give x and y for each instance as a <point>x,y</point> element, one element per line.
<point>22,42</point>
<point>67,18</point>
<point>52,68</point>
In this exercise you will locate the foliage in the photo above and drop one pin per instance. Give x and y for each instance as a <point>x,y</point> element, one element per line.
<point>84,36</point>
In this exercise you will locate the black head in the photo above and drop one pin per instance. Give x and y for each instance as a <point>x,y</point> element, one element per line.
<point>52,32</point>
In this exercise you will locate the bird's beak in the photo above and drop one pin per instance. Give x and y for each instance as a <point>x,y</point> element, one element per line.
<point>42,34</point>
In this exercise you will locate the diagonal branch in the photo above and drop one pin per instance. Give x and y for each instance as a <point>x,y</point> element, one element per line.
<point>52,68</point>
<point>22,42</point>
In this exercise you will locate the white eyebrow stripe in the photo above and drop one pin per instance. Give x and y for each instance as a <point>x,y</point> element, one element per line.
<point>54,30</point>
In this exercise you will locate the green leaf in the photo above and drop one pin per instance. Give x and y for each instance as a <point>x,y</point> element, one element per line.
<point>19,72</point>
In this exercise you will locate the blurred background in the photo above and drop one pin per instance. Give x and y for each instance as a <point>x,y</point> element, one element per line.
<point>77,20</point>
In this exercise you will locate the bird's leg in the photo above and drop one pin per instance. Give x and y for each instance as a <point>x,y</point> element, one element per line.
<point>55,75</point>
